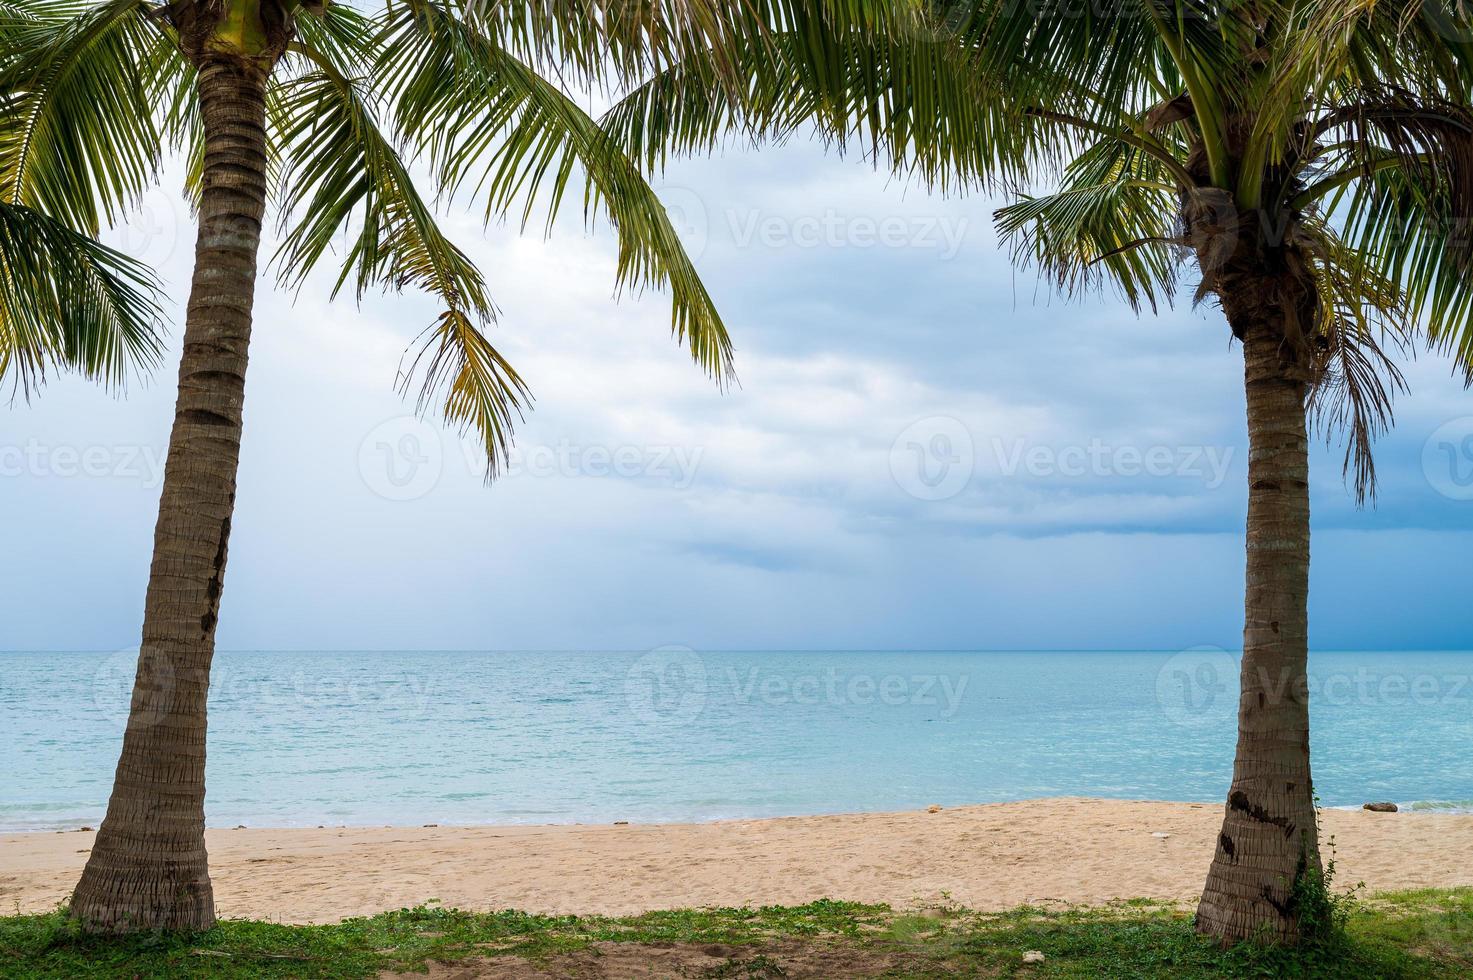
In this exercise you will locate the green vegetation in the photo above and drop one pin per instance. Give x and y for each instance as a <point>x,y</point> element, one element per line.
<point>1405,934</point>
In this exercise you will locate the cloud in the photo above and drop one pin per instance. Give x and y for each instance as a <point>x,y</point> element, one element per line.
<point>927,448</point>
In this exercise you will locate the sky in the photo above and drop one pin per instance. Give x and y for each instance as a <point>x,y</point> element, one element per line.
<point>927,449</point>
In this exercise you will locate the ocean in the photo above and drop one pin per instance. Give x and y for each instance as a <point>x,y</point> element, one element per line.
<point>404,739</point>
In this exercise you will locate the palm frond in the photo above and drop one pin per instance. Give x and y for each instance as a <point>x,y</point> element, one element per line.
<point>914,101</point>
<point>626,41</point>
<point>1107,65</point>
<point>1354,379</point>
<point>69,302</point>
<point>1402,182</point>
<point>1112,221</point>
<point>344,181</point>
<point>80,84</point>
<point>483,115</point>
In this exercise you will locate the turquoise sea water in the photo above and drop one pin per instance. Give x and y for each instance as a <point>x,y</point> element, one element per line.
<point>302,739</point>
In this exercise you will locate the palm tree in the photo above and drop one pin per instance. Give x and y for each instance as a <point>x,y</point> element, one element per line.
<point>317,111</point>
<point>1311,162</point>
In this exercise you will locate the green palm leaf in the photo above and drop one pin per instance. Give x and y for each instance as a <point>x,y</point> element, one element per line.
<point>67,301</point>
<point>483,115</point>
<point>80,82</point>
<point>626,41</point>
<point>340,173</point>
<point>1112,221</point>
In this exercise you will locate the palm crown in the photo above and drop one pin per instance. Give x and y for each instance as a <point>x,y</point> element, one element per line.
<point>1331,134</point>
<point>1331,141</point>
<point>98,94</point>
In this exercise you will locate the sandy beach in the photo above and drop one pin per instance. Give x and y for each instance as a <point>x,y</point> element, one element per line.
<point>985,857</point>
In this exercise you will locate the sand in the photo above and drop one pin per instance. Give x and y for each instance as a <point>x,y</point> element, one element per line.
<point>984,857</point>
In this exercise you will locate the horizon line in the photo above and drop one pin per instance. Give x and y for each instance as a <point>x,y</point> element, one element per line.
<point>714,650</point>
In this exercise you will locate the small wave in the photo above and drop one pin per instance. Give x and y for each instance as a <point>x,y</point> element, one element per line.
<point>1438,806</point>
<point>1416,806</point>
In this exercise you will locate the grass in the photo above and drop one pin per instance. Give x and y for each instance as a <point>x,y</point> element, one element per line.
<point>1403,934</point>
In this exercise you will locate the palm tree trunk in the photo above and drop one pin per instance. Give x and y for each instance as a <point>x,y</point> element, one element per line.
<point>148,867</point>
<point>1269,840</point>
